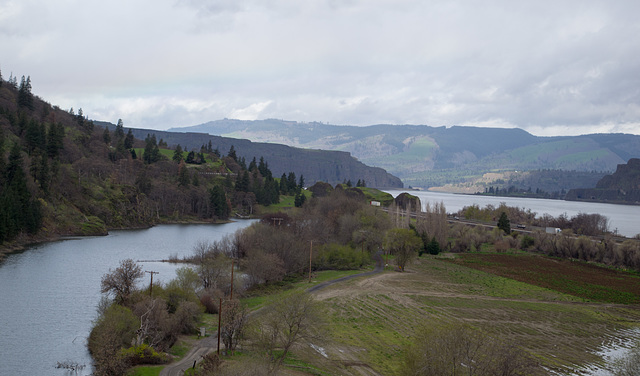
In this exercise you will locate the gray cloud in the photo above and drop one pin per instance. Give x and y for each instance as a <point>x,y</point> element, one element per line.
<point>565,67</point>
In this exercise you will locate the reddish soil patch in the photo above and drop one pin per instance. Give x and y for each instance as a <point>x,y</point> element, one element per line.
<point>571,277</point>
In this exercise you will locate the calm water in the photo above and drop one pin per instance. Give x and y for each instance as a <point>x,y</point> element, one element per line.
<point>49,293</point>
<point>624,218</point>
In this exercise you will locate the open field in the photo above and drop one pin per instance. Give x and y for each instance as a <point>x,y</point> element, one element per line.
<point>371,320</point>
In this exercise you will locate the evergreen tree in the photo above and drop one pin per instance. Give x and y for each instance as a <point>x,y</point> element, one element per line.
<point>80,118</point>
<point>128,140</point>
<point>504,224</point>
<point>209,147</point>
<point>243,182</point>
<point>253,165</point>
<point>232,153</point>
<point>55,138</point>
<point>300,199</point>
<point>301,182</point>
<point>151,152</point>
<point>284,188</point>
<point>191,157</point>
<point>292,184</point>
<point>43,173</point>
<point>177,154</point>
<point>218,202</point>
<point>25,98</point>
<point>106,136</point>
<point>20,211</point>
<point>118,134</point>
<point>263,167</point>
<point>433,247</point>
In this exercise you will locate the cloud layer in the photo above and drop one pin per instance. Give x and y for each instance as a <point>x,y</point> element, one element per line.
<point>551,68</point>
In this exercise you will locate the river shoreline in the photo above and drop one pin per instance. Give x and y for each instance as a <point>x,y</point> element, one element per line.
<point>23,241</point>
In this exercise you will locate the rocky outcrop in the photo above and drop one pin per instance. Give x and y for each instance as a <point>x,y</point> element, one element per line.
<point>621,187</point>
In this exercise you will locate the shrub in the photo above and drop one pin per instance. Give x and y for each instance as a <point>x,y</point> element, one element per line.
<point>339,257</point>
<point>143,354</point>
<point>527,242</point>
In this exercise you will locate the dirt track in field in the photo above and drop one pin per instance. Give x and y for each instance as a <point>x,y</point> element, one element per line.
<point>373,317</point>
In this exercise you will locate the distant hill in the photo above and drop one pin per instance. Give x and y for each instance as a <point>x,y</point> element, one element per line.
<point>623,186</point>
<point>424,156</point>
<point>333,167</point>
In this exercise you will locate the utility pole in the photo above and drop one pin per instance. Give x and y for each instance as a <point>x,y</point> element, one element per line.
<point>310,253</point>
<point>219,324</point>
<point>231,294</point>
<point>151,284</point>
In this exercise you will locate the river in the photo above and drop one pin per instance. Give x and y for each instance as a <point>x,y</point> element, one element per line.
<point>625,219</point>
<point>49,292</point>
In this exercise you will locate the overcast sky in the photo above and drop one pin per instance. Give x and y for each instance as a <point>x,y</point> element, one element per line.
<point>549,67</point>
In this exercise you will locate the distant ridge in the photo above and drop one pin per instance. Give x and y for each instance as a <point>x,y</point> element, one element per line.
<point>426,156</point>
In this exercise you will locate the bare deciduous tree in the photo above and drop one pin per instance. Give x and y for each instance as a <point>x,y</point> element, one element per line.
<point>453,350</point>
<point>234,318</point>
<point>121,281</point>
<point>286,322</point>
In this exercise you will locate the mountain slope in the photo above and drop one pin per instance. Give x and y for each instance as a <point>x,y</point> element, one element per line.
<point>427,156</point>
<point>333,167</point>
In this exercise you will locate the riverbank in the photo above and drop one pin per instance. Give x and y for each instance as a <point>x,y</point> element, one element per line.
<point>25,241</point>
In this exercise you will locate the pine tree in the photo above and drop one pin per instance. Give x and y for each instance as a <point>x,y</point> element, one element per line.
<point>106,136</point>
<point>128,140</point>
<point>55,140</point>
<point>232,153</point>
<point>504,224</point>
<point>25,98</point>
<point>118,134</point>
<point>177,154</point>
<point>151,151</point>
<point>284,189</point>
<point>218,202</point>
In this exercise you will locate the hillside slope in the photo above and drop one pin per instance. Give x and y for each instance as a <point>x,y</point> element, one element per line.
<point>315,165</point>
<point>623,186</point>
<point>427,156</point>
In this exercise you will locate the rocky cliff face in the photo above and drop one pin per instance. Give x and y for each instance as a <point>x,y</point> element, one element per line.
<point>623,186</point>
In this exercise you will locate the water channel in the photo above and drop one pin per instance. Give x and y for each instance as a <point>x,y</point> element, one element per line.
<point>49,293</point>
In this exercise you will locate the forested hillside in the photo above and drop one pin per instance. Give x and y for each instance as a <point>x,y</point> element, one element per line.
<point>424,156</point>
<point>62,174</point>
<point>333,167</point>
